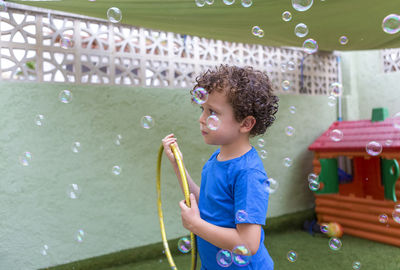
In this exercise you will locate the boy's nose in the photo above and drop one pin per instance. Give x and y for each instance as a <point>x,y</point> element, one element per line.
<point>202,119</point>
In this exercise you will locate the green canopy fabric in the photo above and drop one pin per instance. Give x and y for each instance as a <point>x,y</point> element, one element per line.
<point>327,21</point>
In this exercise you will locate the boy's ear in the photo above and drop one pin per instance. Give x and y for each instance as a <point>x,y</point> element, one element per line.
<point>248,123</point>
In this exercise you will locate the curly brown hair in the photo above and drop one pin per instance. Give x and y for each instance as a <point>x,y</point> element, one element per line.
<point>249,91</point>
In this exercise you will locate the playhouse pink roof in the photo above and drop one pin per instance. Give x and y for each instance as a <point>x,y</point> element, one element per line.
<point>357,134</point>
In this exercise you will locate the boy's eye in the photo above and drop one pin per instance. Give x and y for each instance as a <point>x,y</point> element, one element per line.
<point>212,112</point>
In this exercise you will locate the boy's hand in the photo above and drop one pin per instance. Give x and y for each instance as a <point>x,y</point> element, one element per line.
<point>190,216</point>
<point>167,141</point>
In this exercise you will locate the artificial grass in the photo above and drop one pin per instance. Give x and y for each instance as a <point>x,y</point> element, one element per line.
<point>313,253</point>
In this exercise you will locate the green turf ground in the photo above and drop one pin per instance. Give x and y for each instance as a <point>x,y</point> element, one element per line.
<point>313,252</point>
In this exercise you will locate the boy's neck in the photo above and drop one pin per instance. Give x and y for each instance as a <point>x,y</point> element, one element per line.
<point>234,150</point>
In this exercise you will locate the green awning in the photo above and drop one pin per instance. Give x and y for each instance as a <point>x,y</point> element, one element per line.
<point>359,20</point>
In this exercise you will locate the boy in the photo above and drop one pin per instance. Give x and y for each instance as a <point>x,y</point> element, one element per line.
<point>233,198</point>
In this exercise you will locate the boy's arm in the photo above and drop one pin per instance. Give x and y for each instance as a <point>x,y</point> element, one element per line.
<point>224,238</point>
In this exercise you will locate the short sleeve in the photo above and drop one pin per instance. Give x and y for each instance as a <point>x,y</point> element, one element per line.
<point>251,197</point>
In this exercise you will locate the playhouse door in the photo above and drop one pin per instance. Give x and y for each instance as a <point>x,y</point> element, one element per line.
<point>368,173</point>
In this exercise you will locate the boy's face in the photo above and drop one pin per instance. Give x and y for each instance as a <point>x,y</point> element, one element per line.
<point>228,130</point>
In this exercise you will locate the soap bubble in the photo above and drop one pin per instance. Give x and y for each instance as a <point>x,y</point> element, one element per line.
<point>224,258</point>
<point>241,255</point>
<point>76,147</point>
<point>271,185</point>
<point>335,89</point>
<point>302,5</point>
<point>373,148</point>
<point>200,3</point>
<point>388,142</point>
<point>73,191</point>
<point>292,109</point>
<point>287,162</point>
<point>261,33</point>
<point>213,122</point>
<point>114,15</point>
<point>301,30</point>
<point>116,170</point>
<point>118,139</point>
<point>80,235</point>
<point>3,6</point>
<point>25,158</point>
<point>229,2</point>
<point>39,120</point>
<point>286,16</point>
<point>285,85</point>
<point>336,135</point>
<point>391,24</point>
<point>66,42</point>
<point>147,122</point>
<point>332,101</point>
<point>383,218</point>
<point>335,243</point>
<point>263,154</point>
<point>356,265</point>
<point>44,251</point>
<point>312,177</point>
<point>396,215</point>
<point>310,46</point>
<point>65,96</point>
<point>184,245</point>
<point>255,30</point>
<point>261,142</point>
<point>247,3</point>
<point>396,121</point>
<point>241,216</point>
<point>292,256</point>
<point>343,40</point>
<point>324,228</point>
<point>289,130</point>
<point>209,2</point>
<point>200,95</point>
<point>291,66</point>
<point>313,185</point>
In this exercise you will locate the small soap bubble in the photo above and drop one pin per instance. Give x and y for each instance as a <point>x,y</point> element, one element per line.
<point>271,185</point>
<point>313,185</point>
<point>324,228</point>
<point>302,5</point>
<point>383,218</point>
<point>80,235</point>
<point>116,170</point>
<point>229,2</point>
<point>184,245</point>
<point>65,96</point>
<point>396,121</point>
<point>312,177</point>
<point>283,67</point>
<point>336,135</point>
<point>391,24</point>
<point>343,40</point>
<point>396,215</point>
<point>332,101</point>
<point>209,2</point>
<point>200,3</point>
<point>255,30</point>
<point>286,16</point>
<point>224,258</point>
<point>301,30</point>
<point>291,66</point>
<point>285,85</point>
<point>373,148</point>
<point>335,243</point>
<point>263,154</point>
<point>388,142</point>
<point>241,216</point>
<point>39,119</point>
<point>74,191</point>
<point>76,147</point>
<point>292,109</point>
<point>289,130</point>
<point>44,250</point>
<point>114,14</point>
<point>213,122</point>
<point>261,33</point>
<point>292,256</point>
<point>335,89</point>
<point>310,46</point>
<point>356,265</point>
<point>66,42</point>
<point>261,142</point>
<point>147,122</point>
<point>200,95</point>
<point>397,207</point>
<point>241,255</point>
<point>287,162</point>
<point>118,139</point>
<point>247,3</point>
<point>25,158</point>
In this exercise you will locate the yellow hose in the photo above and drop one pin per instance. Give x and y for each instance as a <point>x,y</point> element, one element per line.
<point>160,212</point>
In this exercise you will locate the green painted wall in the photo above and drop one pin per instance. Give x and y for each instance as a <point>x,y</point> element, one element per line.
<point>119,212</point>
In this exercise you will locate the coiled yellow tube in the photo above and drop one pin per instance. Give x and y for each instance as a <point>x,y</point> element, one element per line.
<point>160,212</point>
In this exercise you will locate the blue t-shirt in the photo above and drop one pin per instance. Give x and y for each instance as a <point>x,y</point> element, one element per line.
<point>233,192</point>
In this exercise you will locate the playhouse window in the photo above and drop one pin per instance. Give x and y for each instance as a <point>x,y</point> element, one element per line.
<point>345,169</point>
